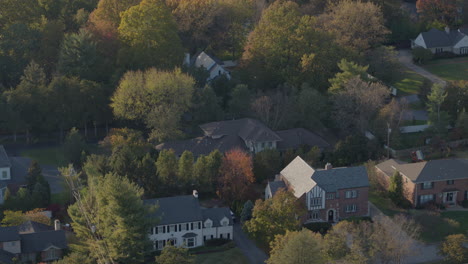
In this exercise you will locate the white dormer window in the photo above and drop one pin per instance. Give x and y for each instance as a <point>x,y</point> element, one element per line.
<point>208,224</point>
<point>225,223</point>
<point>4,175</point>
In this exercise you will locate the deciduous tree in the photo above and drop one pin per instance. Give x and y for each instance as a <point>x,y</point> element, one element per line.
<point>453,248</point>
<point>175,255</point>
<point>296,247</point>
<point>236,176</point>
<point>444,11</point>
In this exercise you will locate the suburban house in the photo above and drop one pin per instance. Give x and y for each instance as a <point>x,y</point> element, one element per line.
<point>213,65</point>
<point>32,242</point>
<point>442,181</point>
<point>247,134</point>
<point>12,172</point>
<point>183,222</point>
<point>330,194</point>
<point>437,41</point>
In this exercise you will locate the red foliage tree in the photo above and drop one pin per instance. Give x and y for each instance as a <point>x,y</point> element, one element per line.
<point>444,11</point>
<point>236,176</point>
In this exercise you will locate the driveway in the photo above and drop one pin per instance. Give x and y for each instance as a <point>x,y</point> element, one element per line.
<point>406,58</point>
<point>415,114</point>
<point>248,247</point>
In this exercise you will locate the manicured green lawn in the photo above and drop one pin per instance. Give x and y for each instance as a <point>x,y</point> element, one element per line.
<point>449,69</point>
<point>409,83</point>
<point>46,156</point>
<point>231,256</point>
<point>434,227</point>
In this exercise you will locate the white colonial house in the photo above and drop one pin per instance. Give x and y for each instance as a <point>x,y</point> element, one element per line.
<point>13,171</point>
<point>213,65</point>
<point>184,223</point>
<point>5,172</point>
<point>437,41</point>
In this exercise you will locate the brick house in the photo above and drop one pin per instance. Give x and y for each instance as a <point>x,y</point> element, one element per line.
<point>330,194</point>
<point>442,181</point>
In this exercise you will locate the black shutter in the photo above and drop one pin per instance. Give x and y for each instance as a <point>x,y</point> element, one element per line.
<point>422,186</point>
<point>419,199</point>
<point>191,226</point>
<point>175,228</point>
<point>187,226</point>
<point>432,185</point>
<point>164,229</point>
<point>357,193</point>
<point>199,225</point>
<point>156,230</point>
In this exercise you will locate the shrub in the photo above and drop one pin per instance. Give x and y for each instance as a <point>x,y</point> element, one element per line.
<point>356,219</point>
<point>465,203</point>
<point>216,242</point>
<point>321,227</point>
<point>422,55</point>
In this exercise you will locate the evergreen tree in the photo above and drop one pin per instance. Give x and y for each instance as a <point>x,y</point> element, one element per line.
<point>34,172</point>
<point>246,213</point>
<point>73,146</point>
<point>396,188</point>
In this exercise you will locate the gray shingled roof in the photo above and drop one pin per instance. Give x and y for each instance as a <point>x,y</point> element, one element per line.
<point>388,166</point>
<point>296,137</point>
<point>335,179</point>
<point>203,145</point>
<point>6,257</point>
<point>247,128</point>
<point>33,227</point>
<point>19,170</point>
<point>275,186</point>
<point>36,242</point>
<point>216,215</point>
<point>9,233</point>
<point>439,38</point>
<point>177,209</point>
<point>4,160</point>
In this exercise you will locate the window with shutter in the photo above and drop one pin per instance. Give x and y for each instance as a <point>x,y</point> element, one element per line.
<point>156,230</point>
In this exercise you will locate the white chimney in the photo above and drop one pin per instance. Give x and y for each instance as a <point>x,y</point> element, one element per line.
<point>277,177</point>
<point>328,166</point>
<point>57,225</point>
<point>195,194</point>
<point>447,30</point>
<point>187,59</point>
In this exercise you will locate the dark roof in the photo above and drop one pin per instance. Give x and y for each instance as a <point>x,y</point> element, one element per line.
<point>190,234</point>
<point>37,242</point>
<point>18,170</point>
<point>4,161</point>
<point>9,233</point>
<point>177,209</point>
<point>275,186</point>
<point>433,170</point>
<point>216,215</point>
<point>203,145</point>
<point>294,138</point>
<point>6,257</point>
<point>341,178</point>
<point>33,227</point>
<point>440,38</point>
<point>247,128</point>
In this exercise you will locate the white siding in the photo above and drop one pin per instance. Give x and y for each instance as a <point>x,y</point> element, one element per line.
<point>462,43</point>
<point>5,171</point>
<point>218,70</point>
<point>420,41</point>
<point>268,192</point>
<point>178,235</point>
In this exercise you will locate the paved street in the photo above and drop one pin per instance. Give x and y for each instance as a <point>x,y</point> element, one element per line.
<point>248,247</point>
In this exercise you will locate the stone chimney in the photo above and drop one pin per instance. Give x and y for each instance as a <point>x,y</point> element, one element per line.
<point>195,193</point>
<point>57,225</point>
<point>328,166</point>
<point>447,30</point>
<point>187,59</point>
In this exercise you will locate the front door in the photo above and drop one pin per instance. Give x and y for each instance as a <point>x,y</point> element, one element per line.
<point>449,197</point>
<point>331,216</point>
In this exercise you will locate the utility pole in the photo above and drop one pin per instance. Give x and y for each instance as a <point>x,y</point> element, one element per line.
<point>389,130</point>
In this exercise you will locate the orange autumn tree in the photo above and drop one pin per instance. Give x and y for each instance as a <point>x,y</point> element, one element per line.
<point>236,176</point>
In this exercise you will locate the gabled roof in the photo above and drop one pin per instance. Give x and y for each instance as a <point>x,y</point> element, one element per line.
<point>177,209</point>
<point>302,177</point>
<point>433,170</point>
<point>36,242</point>
<point>440,38</point>
<point>216,215</point>
<point>247,128</point>
<point>206,60</point>
<point>336,179</point>
<point>9,233</point>
<point>4,160</point>
<point>294,138</point>
<point>275,186</point>
<point>6,257</point>
<point>18,170</point>
<point>388,166</point>
<point>298,174</point>
<point>33,227</point>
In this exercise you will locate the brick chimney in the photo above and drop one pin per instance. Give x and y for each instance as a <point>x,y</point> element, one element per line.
<point>328,166</point>
<point>195,193</point>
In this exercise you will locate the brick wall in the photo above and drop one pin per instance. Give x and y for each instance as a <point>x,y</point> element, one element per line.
<point>439,187</point>
<point>339,204</point>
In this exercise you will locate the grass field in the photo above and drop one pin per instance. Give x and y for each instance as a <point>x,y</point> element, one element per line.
<point>47,156</point>
<point>409,83</point>
<point>449,69</point>
<point>231,256</point>
<point>436,227</point>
